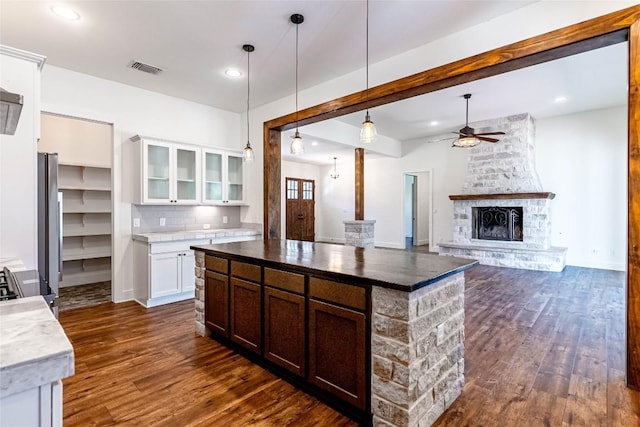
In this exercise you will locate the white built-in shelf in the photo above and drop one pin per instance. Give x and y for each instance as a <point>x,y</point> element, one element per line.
<point>86,230</point>
<point>86,247</point>
<point>85,253</point>
<point>82,272</point>
<point>86,201</point>
<point>84,178</point>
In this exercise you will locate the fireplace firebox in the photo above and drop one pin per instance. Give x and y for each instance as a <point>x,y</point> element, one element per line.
<point>497,223</point>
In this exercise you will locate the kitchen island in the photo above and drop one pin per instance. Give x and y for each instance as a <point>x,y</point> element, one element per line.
<point>376,333</point>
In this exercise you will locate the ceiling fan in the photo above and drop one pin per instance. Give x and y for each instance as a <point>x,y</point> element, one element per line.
<point>467,136</point>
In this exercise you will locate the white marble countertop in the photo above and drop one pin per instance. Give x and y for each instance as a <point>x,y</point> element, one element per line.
<point>195,234</point>
<point>34,349</point>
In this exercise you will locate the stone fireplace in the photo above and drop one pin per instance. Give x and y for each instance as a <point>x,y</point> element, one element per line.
<point>503,217</point>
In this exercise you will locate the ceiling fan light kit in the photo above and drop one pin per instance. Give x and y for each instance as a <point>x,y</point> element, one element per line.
<point>467,136</point>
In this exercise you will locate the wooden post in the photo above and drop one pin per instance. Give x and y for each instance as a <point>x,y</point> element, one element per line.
<point>359,184</point>
<point>633,245</point>
<point>272,166</point>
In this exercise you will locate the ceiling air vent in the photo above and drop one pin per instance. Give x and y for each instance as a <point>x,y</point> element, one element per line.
<point>146,67</point>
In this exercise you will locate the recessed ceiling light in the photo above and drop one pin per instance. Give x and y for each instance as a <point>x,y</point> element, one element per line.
<point>65,12</point>
<point>434,123</point>
<point>560,99</point>
<point>232,72</point>
<point>314,143</point>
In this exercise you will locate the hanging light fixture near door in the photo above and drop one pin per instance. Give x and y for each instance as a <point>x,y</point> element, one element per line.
<point>335,174</point>
<point>368,132</point>
<point>247,153</point>
<point>297,147</point>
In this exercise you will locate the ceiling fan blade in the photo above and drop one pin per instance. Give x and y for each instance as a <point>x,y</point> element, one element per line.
<point>491,133</point>
<point>484,138</point>
<point>463,134</point>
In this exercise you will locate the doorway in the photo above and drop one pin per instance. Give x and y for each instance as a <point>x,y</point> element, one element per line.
<point>418,222</point>
<point>300,209</point>
<point>84,148</point>
<point>410,210</point>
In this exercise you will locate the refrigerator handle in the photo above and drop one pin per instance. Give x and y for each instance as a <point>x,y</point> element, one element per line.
<point>60,236</point>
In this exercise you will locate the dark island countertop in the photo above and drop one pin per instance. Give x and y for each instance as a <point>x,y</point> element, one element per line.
<point>389,268</point>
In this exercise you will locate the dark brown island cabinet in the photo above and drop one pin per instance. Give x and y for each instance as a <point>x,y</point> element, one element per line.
<point>375,333</point>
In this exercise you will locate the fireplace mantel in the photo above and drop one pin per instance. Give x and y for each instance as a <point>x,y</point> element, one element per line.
<point>502,196</point>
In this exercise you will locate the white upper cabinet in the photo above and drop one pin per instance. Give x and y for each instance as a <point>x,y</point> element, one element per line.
<point>169,172</point>
<point>223,177</point>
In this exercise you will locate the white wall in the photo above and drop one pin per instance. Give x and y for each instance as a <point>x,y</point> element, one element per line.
<point>18,161</point>
<point>135,111</point>
<point>424,207</point>
<point>583,159</point>
<point>408,205</point>
<point>338,197</point>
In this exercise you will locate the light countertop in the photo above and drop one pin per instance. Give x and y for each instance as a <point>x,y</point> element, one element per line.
<point>34,349</point>
<point>195,234</point>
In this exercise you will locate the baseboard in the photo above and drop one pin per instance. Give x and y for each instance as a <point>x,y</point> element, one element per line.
<point>323,239</point>
<point>391,245</point>
<point>598,264</point>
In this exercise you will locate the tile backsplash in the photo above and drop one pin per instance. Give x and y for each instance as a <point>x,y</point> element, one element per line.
<point>179,218</point>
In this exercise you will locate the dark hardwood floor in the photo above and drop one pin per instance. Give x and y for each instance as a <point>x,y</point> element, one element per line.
<point>541,349</point>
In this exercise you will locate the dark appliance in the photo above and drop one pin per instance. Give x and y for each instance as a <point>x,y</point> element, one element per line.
<point>22,284</point>
<point>49,224</point>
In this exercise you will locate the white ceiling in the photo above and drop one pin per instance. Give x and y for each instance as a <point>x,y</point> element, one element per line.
<point>591,80</point>
<point>195,41</point>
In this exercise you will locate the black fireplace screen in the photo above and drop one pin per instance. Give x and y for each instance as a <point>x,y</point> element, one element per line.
<point>497,223</point>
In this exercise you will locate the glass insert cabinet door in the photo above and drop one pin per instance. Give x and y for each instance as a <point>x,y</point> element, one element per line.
<point>213,177</point>
<point>186,173</point>
<point>235,179</point>
<point>158,172</point>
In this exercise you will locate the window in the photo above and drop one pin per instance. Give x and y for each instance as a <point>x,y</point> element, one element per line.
<point>307,190</point>
<point>292,189</point>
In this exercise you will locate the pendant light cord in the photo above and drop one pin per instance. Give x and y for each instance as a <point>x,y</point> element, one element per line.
<point>297,27</point>
<point>367,50</point>
<point>248,92</point>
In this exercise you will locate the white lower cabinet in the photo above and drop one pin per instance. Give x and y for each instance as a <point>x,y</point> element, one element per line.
<point>35,407</point>
<point>164,272</point>
<point>172,273</point>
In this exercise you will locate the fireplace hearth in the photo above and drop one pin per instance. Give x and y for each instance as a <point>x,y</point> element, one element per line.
<point>497,223</point>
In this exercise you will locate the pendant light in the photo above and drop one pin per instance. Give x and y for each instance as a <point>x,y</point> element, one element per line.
<point>247,153</point>
<point>334,175</point>
<point>297,147</point>
<point>368,132</point>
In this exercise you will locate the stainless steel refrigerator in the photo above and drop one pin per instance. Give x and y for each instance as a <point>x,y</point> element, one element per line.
<point>49,227</point>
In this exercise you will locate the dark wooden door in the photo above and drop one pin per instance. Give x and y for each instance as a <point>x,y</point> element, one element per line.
<point>216,306</point>
<point>245,314</point>
<point>284,340</point>
<point>337,351</point>
<point>300,209</point>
